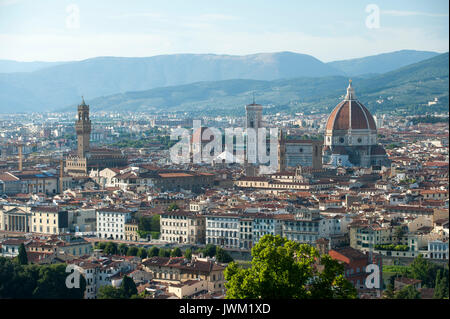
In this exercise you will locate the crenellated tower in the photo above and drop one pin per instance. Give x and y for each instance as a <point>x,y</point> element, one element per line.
<point>83,129</point>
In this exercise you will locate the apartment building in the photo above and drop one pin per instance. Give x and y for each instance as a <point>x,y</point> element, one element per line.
<point>131,231</point>
<point>302,227</point>
<point>49,220</point>
<point>180,270</point>
<point>224,230</point>
<point>265,224</point>
<point>183,227</point>
<point>111,222</point>
<point>99,272</point>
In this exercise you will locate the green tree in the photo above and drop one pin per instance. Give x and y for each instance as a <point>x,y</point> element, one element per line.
<point>441,287</point>
<point>176,252</point>
<point>210,250</point>
<point>51,284</point>
<point>426,271</point>
<point>223,256</point>
<point>164,253</point>
<point>155,223</point>
<point>153,252</point>
<point>110,248</point>
<point>100,245</point>
<point>398,234</point>
<point>172,207</point>
<point>287,270</point>
<point>22,257</point>
<point>145,224</point>
<point>132,251</point>
<point>389,293</point>
<point>437,286</point>
<point>109,292</point>
<point>407,292</point>
<point>123,248</point>
<point>142,253</point>
<point>188,253</point>
<point>128,287</point>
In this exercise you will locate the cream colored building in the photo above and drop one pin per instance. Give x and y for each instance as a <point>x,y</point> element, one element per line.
<point>180,270</point>
<point>15,219</point>
<point>188,288</point>
<point>49,220</point>
<point>183,227</point>
<point>131,233</point>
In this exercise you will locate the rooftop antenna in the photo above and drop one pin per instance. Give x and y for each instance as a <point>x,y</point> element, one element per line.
<point>253,97</point>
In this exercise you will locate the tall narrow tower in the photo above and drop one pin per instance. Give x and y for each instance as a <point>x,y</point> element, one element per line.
<point>253,122</point>
<point>83,128</point>
<point>281,152</point>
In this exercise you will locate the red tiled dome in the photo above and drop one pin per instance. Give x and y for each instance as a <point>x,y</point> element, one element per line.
<point>350,114</point>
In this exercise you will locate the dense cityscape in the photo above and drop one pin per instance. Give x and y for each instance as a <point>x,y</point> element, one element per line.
<point>100,192</point>
<point>306,159</point>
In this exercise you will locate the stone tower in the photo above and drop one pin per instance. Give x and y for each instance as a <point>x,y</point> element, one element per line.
<point>281,152</point>
<point>253,122</point>
<point>83,129</point>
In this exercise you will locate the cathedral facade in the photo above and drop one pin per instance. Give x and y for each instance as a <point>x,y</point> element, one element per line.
<point>351,136</point>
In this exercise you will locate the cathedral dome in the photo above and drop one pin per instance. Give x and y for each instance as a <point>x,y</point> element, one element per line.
<point>350,114</point>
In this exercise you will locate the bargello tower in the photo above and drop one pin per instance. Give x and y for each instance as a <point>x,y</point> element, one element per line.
<point>83,129</point>
<point>253,121</point>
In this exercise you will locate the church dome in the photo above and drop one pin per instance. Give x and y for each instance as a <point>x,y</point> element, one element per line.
<point>350,114</point>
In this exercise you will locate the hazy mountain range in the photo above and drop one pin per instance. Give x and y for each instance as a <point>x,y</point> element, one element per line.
<point>407,87</point>
<point>172,80</point>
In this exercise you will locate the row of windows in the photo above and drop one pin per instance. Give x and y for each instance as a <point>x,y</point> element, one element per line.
<point>108,230</point>
<point>221,233</point>
<point>222,225</point>
<point>110,225</point>
<point>174,224</point>
<point>41,229</point>
<point>174,232</point>
<point>438,247</point>
<point>174,239</point>
<point>114,236</point>
<point>105,219</point>
<point>223,241</point>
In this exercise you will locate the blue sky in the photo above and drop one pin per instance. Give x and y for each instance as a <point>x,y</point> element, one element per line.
<point>44,30</point>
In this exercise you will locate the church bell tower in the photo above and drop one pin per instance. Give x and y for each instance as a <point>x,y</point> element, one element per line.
<point>83,129</point>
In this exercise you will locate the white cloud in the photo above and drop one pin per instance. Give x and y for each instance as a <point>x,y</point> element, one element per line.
<point>153,15</point>
<point>9,2</point>
<point>399,13</point>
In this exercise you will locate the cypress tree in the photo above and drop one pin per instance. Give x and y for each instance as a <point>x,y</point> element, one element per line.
<point>438,287</point>
<point>22,258</point>
<point>128,287</point>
